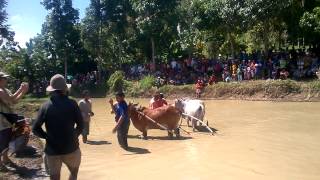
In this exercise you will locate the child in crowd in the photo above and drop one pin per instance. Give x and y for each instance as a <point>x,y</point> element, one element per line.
<point>284,74</point>
<point>239,73</point>
<point>199,88</point>
<point>213,79</point>
<point>234,71</point>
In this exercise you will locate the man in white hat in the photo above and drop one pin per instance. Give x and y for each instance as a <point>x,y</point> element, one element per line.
<point>7,99</point>
<point>60,115</point>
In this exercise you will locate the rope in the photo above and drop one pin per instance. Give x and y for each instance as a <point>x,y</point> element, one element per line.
<point>185,131</point>
<point>161,126</point>
<point>200,122</point>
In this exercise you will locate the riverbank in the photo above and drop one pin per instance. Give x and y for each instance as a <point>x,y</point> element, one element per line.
<point>261,90</point>
<point>29,160</point>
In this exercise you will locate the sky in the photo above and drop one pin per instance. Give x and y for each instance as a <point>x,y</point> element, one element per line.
<point>26,17</point>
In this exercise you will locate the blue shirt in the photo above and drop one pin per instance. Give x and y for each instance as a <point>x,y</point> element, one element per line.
<point>122,110</point>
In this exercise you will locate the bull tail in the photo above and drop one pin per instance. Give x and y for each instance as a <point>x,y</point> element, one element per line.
<point>201,113</point>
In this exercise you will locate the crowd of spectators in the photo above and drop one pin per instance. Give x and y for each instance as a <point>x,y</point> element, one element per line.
<point>78,81</point>
<point>294,64</point>
<point>39,87</point>
<point>85,80</point>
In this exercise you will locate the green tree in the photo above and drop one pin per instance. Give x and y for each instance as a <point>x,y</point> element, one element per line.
<point>157,21</point>
<point>6,36</point>
<point>62,33</point>
<point>310,22</point>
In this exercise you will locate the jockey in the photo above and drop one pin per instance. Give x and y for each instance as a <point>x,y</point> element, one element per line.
<point>157,101</point>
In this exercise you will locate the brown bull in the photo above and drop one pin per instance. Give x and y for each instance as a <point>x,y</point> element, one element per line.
<point>168,116</point>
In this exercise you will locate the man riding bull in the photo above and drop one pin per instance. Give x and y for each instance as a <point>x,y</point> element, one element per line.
<point>157,101</point>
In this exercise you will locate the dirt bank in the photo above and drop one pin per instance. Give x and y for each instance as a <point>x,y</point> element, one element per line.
<point>29,161</point>
<point>270,90</point>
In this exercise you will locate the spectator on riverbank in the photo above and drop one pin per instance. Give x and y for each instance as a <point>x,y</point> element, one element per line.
<point>246,66</point>
<point>199,88</point>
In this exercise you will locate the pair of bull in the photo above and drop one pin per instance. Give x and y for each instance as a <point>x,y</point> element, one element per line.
<point>166,117</point>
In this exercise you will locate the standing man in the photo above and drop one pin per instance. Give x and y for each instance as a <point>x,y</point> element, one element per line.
<point>6,101</point>
<point>85,105</point>
<point>122,119</point>
<point>60,115</point>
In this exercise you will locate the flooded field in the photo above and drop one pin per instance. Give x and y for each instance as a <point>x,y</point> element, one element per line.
<point>254,140</point>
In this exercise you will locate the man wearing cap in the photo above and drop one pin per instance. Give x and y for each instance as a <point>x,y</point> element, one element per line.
<point>6,101</point>
<point>60,115</point>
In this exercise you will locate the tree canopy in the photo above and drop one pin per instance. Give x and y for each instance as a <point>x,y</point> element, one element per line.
<point>118,32</point>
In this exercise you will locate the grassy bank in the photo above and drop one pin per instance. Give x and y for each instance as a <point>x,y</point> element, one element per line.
<point>29,106</point>
<point>278,90</point>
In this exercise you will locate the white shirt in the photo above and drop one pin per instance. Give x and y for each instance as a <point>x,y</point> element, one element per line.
<point>86,108</point>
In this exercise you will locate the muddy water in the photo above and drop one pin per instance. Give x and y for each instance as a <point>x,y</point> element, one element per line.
<point>254,140</point>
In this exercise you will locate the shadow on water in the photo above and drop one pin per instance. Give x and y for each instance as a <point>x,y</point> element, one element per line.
<point>98,142</point>
<point>137,150</point>
<point>160,138</point>
<point>204,129</point>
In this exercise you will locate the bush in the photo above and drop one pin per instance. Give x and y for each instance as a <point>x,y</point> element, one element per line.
<point>315,86</point>
<point>117,82</point>
<point>147,82</point>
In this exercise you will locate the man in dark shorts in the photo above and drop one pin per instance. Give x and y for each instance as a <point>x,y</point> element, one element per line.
<point>7,99</point>
<point>122,119</point>
<point>60,115</point>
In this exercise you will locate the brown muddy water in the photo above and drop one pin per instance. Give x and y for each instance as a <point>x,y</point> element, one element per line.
<point>254,140</point>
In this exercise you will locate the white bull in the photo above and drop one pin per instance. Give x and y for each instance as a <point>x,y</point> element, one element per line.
<point>193,108</point>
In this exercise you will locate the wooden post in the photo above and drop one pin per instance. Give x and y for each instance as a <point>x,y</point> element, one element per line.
<point>153,51</point>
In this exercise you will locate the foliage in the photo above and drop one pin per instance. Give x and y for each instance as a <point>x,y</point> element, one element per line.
<point>118,32</point>
<point>117,82</point>
<point>147,82</point>
<point>61,34</point>
<point>157,24</point>
<point>310,22</point>
<point>6,36</point>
